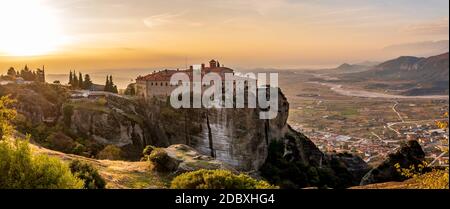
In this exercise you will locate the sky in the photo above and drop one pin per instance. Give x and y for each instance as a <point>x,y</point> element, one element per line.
<point>95,35</point>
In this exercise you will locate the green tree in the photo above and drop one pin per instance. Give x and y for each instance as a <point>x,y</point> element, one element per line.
<point>27,74</point>
<point>75,80</point>
<point>11,72</point>
<point>130,90</point>
<point>70,78</point>
<point>109,86</point>
<point>87,84</point>
<point>80,81</point>
<point>115,90</point>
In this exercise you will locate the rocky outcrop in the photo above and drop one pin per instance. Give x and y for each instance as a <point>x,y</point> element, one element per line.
<point>37,103</point>
<point>348,165</point>
<point>234,137</point>
<point>409,154</point>
<point>295,162</point>
<point>188,159</point>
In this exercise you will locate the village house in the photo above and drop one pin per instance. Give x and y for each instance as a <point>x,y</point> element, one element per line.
<point>157,84</point>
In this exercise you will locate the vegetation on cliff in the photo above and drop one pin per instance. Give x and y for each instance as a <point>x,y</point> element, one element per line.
<point>19,169</point>
<point>434,179</point>
<point>217,179</point>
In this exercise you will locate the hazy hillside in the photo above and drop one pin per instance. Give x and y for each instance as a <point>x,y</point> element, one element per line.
<point>420,49</point>
<point>430,69</point>
<point>418,75</point>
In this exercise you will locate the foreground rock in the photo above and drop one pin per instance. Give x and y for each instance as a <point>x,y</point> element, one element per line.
<point>410,153</point>
<point>354,167</point>
<point>295,162</point>
<point>187,159</point>
<point>117,174</point>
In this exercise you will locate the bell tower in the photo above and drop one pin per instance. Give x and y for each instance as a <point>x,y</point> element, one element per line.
<point>212,64</point>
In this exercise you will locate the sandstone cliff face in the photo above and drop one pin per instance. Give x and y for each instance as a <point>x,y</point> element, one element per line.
<point>238,136</point>
<point>234,136</point>
<point>107,128</point>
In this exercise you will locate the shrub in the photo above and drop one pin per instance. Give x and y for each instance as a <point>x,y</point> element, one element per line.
<point>6,115</point>
<point>436,179</point>
<point>19,169</point>
<point>59,141</point>
<point>78,149</point>
<point>148,150</point>
<point>110,152</point>
<point>424,176</point>
<point>87,173</point>
<point>161,161</point>
<point>102,101</point>
<point>217,179</point>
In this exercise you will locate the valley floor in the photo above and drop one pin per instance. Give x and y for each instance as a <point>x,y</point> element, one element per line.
<point>346,118</point>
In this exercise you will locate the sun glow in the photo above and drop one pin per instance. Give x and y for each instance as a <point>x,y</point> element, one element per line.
<point>28,28</point>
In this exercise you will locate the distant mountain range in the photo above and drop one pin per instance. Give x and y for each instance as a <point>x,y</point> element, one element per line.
<point>419,49</point>
<point>348,68</point>
<point>423,75</point>
<point>431,69</point>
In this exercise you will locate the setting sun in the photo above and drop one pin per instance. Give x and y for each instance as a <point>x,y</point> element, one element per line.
<point>29,28</point>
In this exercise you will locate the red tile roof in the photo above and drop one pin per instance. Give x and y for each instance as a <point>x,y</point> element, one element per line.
<point>165,75</point>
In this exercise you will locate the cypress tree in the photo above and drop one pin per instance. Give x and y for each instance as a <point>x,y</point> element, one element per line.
<point>115,90</point>
<point>107,84</point>
<point>87,82</point>
<point>70,78</point>
<point>75,80</point>
<point>80,81</point>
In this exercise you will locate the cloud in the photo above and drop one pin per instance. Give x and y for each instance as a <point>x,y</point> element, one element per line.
<point>161,19</point>
<point>439,26</point>
<point>170,18</point>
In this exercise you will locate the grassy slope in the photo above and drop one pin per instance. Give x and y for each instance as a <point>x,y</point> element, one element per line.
<point>433,180</point>
<point>117,174</point>
<point>139,175</point>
